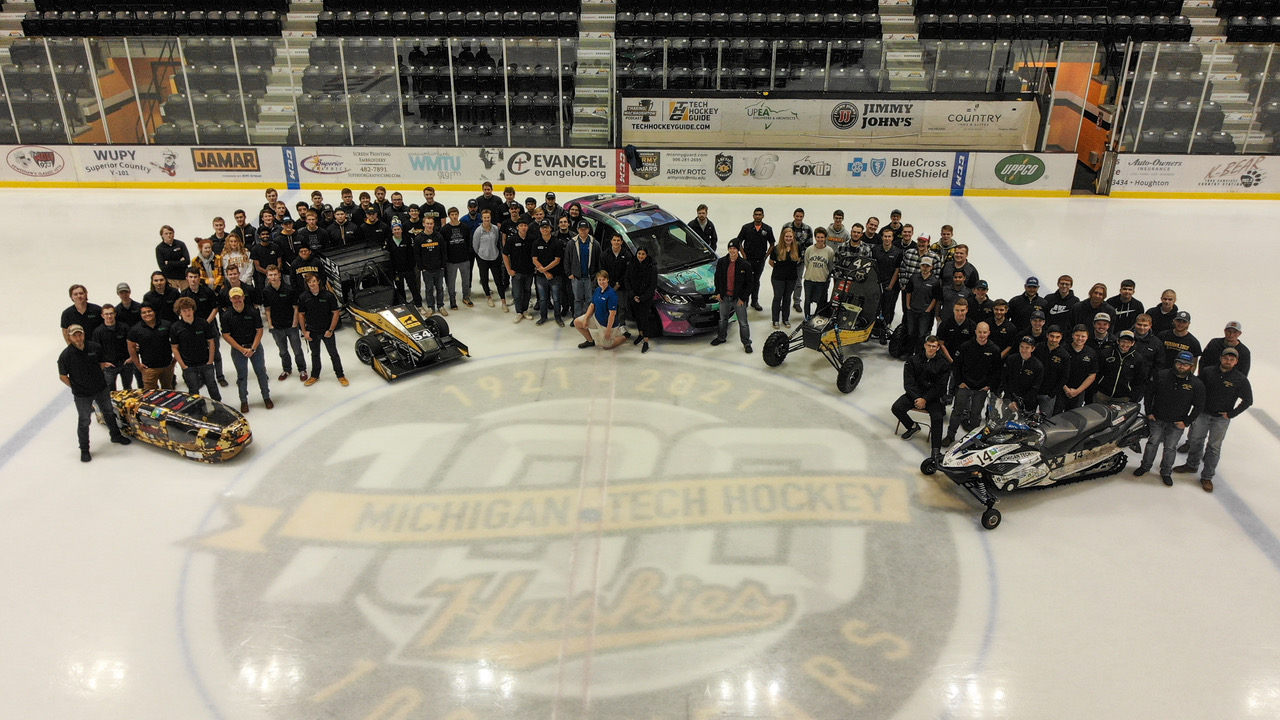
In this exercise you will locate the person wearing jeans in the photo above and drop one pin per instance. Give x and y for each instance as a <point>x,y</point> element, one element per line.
<point>281,303</point>
<point>734,280</point>
<point>975,370</point>
<point>458,257</point>
<point>785,261</point>
<point>1174,398</point>
<point>242,329</point>
<point>429,258</point>
<point>192,341</point>
<point>581,263</point>
<point>817,273</point>
<point>486,242</point>
<point>518,258</point>
<point>548,264</point>
<point>80,368</point>
<point>1227,393</point>
<point>319,313</point>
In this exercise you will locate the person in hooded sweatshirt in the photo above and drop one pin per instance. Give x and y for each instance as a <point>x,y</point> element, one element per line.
<point>641,283</point>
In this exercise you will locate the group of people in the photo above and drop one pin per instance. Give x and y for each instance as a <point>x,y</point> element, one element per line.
<point>1039,353</point>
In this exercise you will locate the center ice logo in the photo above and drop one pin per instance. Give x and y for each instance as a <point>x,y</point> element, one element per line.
<point>553,521</point>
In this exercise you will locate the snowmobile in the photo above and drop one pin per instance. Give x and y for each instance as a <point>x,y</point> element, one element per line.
<point>1010,452</point>
<point>848,320</point>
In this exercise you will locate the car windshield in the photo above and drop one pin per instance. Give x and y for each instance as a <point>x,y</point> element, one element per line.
<point>671,244</point>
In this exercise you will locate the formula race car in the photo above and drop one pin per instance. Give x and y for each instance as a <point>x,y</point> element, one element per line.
<point>193,426</point>
<point>1008,453</point>
<point>849,319</point>
<point>394,339</point>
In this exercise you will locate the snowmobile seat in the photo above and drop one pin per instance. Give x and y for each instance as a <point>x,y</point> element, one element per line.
<point>1063,430</point>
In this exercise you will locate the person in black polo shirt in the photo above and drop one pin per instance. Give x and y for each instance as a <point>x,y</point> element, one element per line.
<point>173,258</point>
<point>1003,332</point>
<point>128,310</point>
<point>162,297</point>
<point>113,336</point>
<point>1227,393</point>
<point>320,315</point>
<point>80,368</point>
<point>1082,372</point>
<point>955,330</point>
<point>233,280</point>
<point>82,313</point>
<point>280,301</point>
<point>1057,363</point>
<point>150,350</point>
<point>975,371</point>
<point>757,241</point>
<point>207,306</point>
<point>548,265</point>
<point>517,253</point>
<point>192,341</point>
<point>1174,398</point>
<point>242,329</point>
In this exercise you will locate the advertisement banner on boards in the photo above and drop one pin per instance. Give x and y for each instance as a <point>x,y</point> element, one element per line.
<point>37,163</point>
<point>1021,172</point>
<point>453,166</point>
<point>177,164</point>
<point>791,168</point>
<point>780,122</point>
<point>1242,175</point>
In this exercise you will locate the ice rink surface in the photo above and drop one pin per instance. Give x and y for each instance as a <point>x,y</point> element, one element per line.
<point>543,532</point>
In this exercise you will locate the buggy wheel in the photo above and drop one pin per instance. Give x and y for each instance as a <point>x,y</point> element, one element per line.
<point>929,466</point>
<point>438,326</point>
<point>850,374</point>
<point>367,349</point>
<point>990,519</point>
<point>775,349</point>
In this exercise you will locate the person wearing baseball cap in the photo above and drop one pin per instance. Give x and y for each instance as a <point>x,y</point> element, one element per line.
<point>1029,301</point>
<point>1227,393</point>
<point>551,210</point>
<point>1230,339</point>
<point>1127,307</point>
<point>1036,330</point>
<point>895,224</point>
<point>1174,399</point>
<point>1101,335</point>
<point>1179,339</point>
<point>581,263</point>
<point>923,293</point>
<point>242,329</point>
<point>1022,377</point>
<point>735,280</point>
<point>472,219</point>
<point>80,368</point>
<point>1124,371</point>
<point>128,310</point>
<point>517,256</point>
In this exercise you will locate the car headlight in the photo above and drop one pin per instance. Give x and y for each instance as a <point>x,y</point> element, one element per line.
<point>675,299</point>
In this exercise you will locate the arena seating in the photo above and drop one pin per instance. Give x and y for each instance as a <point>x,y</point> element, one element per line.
<point>416,22</point>
<point>107,23</point>
<point>1100,28</point>
<point>760,25</point>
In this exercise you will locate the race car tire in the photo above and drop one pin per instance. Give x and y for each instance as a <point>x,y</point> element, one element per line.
<point>990,519</point>
<point>929,466</point>
<point>367,348</point>
<point>850,375</point>
<point>775,349</point>
<point>438,326</point>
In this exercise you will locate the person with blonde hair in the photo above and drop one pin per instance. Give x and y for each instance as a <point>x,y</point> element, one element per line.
<point>234,253</point>
<point>785,261</point>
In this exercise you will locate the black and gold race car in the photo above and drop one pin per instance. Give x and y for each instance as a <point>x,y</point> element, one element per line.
<point>394,338</point>
<point>195,427</point>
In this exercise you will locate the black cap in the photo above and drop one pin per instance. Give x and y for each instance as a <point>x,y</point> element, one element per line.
<point>735,243</point>
<point>524,220</point>
<point>514,204</point>
<point>1028,340</point>
<point>327,208</point>
<point>1053,329</point>
<point>286,220</point>
<point>551,195</point>
<point>472,203</point>
<point>1037,314</point>
<point>544,225</point>
<point>371,210</point>
<point>584,224</point>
